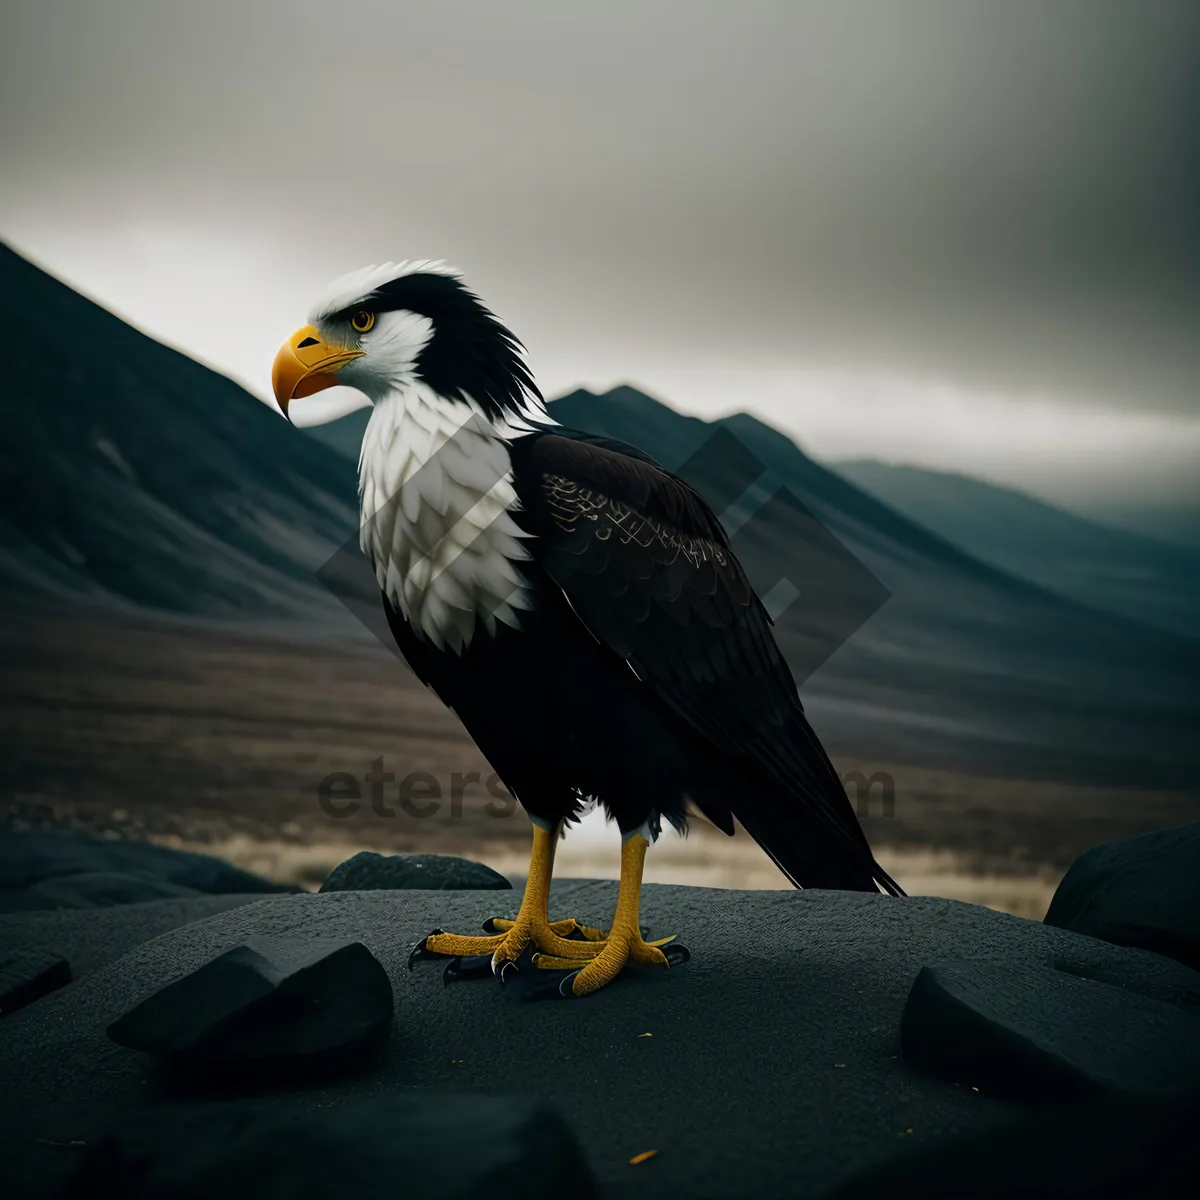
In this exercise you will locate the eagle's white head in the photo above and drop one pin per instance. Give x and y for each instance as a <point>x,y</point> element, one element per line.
<point>387,328</point>
<point>449,385</point>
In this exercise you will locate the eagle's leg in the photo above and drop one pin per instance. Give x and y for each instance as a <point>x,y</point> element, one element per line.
<point>624,943</point>
<point>532,928</point>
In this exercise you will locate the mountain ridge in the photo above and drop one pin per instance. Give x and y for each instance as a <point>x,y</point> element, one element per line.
<point>1086,560</point>
<point>134,475</point>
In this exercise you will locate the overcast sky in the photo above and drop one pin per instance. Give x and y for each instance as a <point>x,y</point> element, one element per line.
<point>959,234</point>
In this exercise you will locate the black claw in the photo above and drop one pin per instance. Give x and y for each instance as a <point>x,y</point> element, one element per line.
<point>676,955</point>
<point>475,966</point>
<point>489,926</point>
<point>564,987</point>
<point>502,970</point>
<point>419,953</point>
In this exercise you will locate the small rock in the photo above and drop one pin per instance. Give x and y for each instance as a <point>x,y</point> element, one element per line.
<point>103,889</point>
<point>1036,1033</point>
<point>426,1147</point>
<point>1109,1149</point>
<point>27,975</point>
<point>1141,891</point>
<point>286,1007</point>
<point>371,872</point>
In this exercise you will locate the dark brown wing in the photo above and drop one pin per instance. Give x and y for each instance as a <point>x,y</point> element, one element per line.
<point>648,569</point>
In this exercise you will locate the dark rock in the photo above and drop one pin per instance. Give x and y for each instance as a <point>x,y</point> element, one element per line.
<point>103,889</point>
<point>280,1007</point>
<point>371,872</point>
<point>1141,891</point>
<point>1107,1149</point>
<point>448,1147</point>
<point>1039,1033</point>
<point>27,975</point>
<point>28,859</point>
<point>774,1069</point>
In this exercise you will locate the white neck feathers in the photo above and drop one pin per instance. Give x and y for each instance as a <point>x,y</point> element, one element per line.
<point>435,485</point>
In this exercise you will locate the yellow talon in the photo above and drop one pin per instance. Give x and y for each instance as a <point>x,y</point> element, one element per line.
<point>596,957</point>
<point>644,954</point>
<point>625,943</point>
<point>550,962</point>
<point>531,928</point>
<point>454,945</point>
<point>563,928</point>
<point>591,934</point>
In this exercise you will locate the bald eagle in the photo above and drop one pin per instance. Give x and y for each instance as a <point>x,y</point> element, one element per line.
<point>577,605</point>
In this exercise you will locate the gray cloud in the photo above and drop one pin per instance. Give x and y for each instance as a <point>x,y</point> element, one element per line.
<point>1001,195</point>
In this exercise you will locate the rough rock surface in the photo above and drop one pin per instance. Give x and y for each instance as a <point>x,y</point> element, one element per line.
<point>448,1147</point>
<point>1142,891</point>
<point>30,863</point>
<point>371,872</point>
<point>28,975</point>
<point>774,1067</point>
<point>1110,1149</point>
<point>1040,1033</point>
<point>282,1006</point>
<point>90,937</point>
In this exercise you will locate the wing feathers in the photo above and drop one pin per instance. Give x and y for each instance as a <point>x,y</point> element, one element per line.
<point>648,569</point>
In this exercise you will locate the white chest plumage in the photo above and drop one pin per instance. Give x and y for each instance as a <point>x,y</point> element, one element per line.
<point>435,486</point>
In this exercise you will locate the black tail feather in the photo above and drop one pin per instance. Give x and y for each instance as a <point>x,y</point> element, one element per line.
<point>804,849</point>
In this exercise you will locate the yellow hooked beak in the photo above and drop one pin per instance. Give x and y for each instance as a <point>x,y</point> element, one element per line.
<point>305,364</point>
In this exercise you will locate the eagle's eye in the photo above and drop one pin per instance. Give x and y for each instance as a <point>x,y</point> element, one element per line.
<point>362,320</point>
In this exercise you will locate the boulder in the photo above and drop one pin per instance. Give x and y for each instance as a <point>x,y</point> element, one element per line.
<point>284,1007</point>
<point>1040,1033</point>
<point>445,1147</point>
<point>371,872</point>
<point>1142,891</point>
<point>27,975</point>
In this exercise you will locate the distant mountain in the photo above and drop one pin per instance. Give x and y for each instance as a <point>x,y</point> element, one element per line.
<point>1176,523</point>
<point>132,475</point>
<point>1113,569</point>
